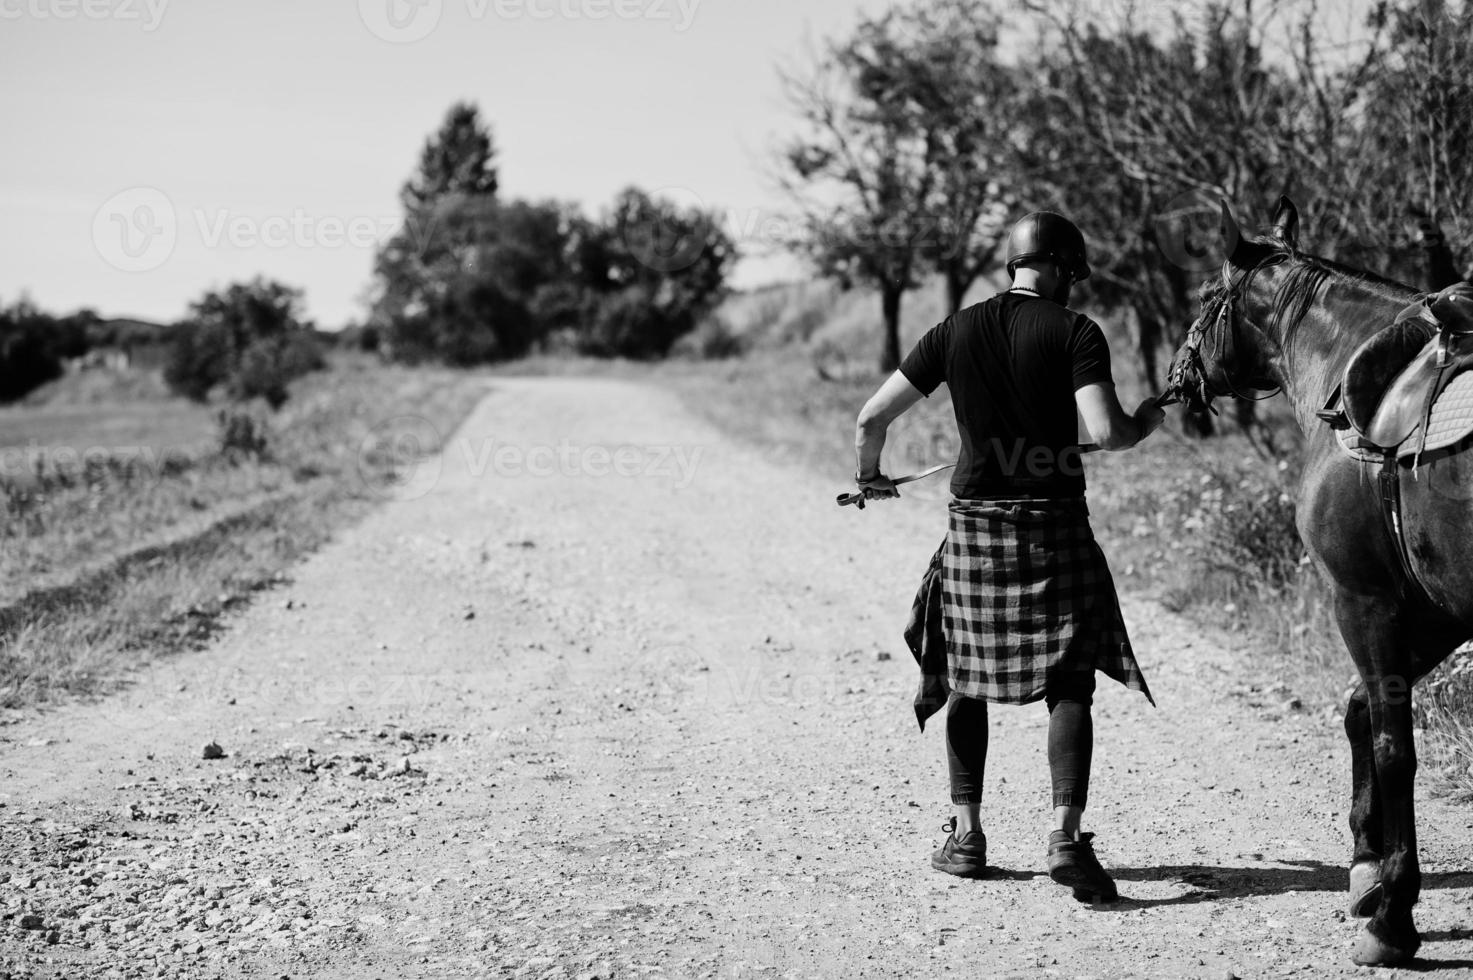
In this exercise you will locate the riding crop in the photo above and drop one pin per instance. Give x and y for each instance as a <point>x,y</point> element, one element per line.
<point>857,497</point>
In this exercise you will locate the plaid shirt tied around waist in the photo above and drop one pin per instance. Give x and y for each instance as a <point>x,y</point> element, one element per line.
<point>1018,592</point>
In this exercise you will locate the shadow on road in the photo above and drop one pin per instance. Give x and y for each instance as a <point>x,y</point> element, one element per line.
<point>1209,883</point>
<point>1423,965</point>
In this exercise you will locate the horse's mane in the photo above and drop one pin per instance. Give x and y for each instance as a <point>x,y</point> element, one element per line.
<point>1296,290</point>
<point>1307,274</point>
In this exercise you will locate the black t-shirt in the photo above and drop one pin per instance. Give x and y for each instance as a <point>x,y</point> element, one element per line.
<point>1013,364</point>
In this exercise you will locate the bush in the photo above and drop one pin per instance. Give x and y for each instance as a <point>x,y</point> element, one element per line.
<point>365,338</point>
<point>241,434</point>
<point>248,339</point>
<point>33,345</point>
<point>483,323</point>
<point>259,375</point>
<point>302,354</point>
<point>631,324</point>
<point>1240,521</point>
<point>713,339</point>
<point>26,362</point>
<point>200,357</point>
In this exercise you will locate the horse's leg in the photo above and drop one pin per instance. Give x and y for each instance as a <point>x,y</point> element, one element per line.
<point>1372,630</point>
<point>1365,808</point>
<point>1391,936</point>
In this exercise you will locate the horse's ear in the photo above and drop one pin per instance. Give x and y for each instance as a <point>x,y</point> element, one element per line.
<point>1286,223</point>
<point>1232,235</point>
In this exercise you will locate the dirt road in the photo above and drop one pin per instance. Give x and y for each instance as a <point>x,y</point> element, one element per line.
<point>584,711</point>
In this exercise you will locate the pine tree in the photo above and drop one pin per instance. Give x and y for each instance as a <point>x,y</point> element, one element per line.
<point>460,159</point>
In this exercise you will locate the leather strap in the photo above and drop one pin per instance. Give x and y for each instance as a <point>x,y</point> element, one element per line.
<point>846,499</point>
<point>1390,483</point>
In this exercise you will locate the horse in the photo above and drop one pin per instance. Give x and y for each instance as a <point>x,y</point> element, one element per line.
<point>1278,319</point>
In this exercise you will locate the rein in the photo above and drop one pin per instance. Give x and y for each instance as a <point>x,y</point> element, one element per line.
<point>1199,395</point>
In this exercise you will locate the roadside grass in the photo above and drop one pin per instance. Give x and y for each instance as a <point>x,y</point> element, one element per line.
<point>142,549</point>
<point>79,428</point>
<point>108,387</point>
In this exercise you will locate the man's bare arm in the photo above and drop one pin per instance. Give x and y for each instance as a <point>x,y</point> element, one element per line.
<point>1105,419</point>
<point>894,398</point>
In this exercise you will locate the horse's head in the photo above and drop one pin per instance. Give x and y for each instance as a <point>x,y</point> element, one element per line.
<point>1227,351</point>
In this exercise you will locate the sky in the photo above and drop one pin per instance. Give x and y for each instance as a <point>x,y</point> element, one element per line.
<point>155,149</point>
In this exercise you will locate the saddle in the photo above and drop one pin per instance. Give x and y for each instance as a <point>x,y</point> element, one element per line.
<point>1405,392</point>
<point>1396,379</point>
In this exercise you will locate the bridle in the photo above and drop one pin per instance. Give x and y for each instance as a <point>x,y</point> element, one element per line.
<point>1189,376</point>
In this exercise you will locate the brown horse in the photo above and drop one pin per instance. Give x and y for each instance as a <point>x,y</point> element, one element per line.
<point>1280,319</point>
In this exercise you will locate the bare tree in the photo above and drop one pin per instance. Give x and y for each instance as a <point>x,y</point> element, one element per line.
<point>1418,134</point>
<point>970,100</point>
<point>864,173</point>
<point>1161,120</point>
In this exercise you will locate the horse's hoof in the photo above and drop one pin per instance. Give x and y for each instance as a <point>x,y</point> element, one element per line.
<point>1086,896</point>
<point>1371,951</point>
<point>1365,889</point>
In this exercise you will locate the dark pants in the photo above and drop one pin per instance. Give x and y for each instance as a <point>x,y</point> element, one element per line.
<point>1070,741</point>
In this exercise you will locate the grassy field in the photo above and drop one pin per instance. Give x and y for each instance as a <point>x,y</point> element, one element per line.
<point>123,542</point>
<point>79,428</point>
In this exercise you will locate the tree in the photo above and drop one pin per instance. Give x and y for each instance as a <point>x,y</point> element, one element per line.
<point>459,160</point>
<point>433,299</point>
<point>250,338</point>
<point>908,161</point>
<point>1417,132</point>
<point>471,278</point>
<point>29,355</point>
<point>864,174</point>
<point>969,100</point>
<point>1164,121</point>
<point>651,270</point>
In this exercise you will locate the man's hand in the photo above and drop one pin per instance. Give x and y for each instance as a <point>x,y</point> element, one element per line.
<point>878,487</point>
<point>1149,416</point>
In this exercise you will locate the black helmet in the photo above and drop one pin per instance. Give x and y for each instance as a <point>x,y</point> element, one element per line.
<point>1050,236</point>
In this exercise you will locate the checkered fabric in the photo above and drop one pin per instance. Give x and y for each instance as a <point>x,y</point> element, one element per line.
<point>1018,592</point>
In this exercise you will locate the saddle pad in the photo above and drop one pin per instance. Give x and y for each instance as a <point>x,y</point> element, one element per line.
<point>1452,416</point>
<point>1452,422</point>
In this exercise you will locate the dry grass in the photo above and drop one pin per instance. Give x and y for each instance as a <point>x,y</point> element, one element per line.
<point>110,563</point>
<point>81,428</point>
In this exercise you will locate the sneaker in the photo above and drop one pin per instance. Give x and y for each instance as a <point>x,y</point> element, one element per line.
<point>1072,863</point>
<point>965,857</point>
